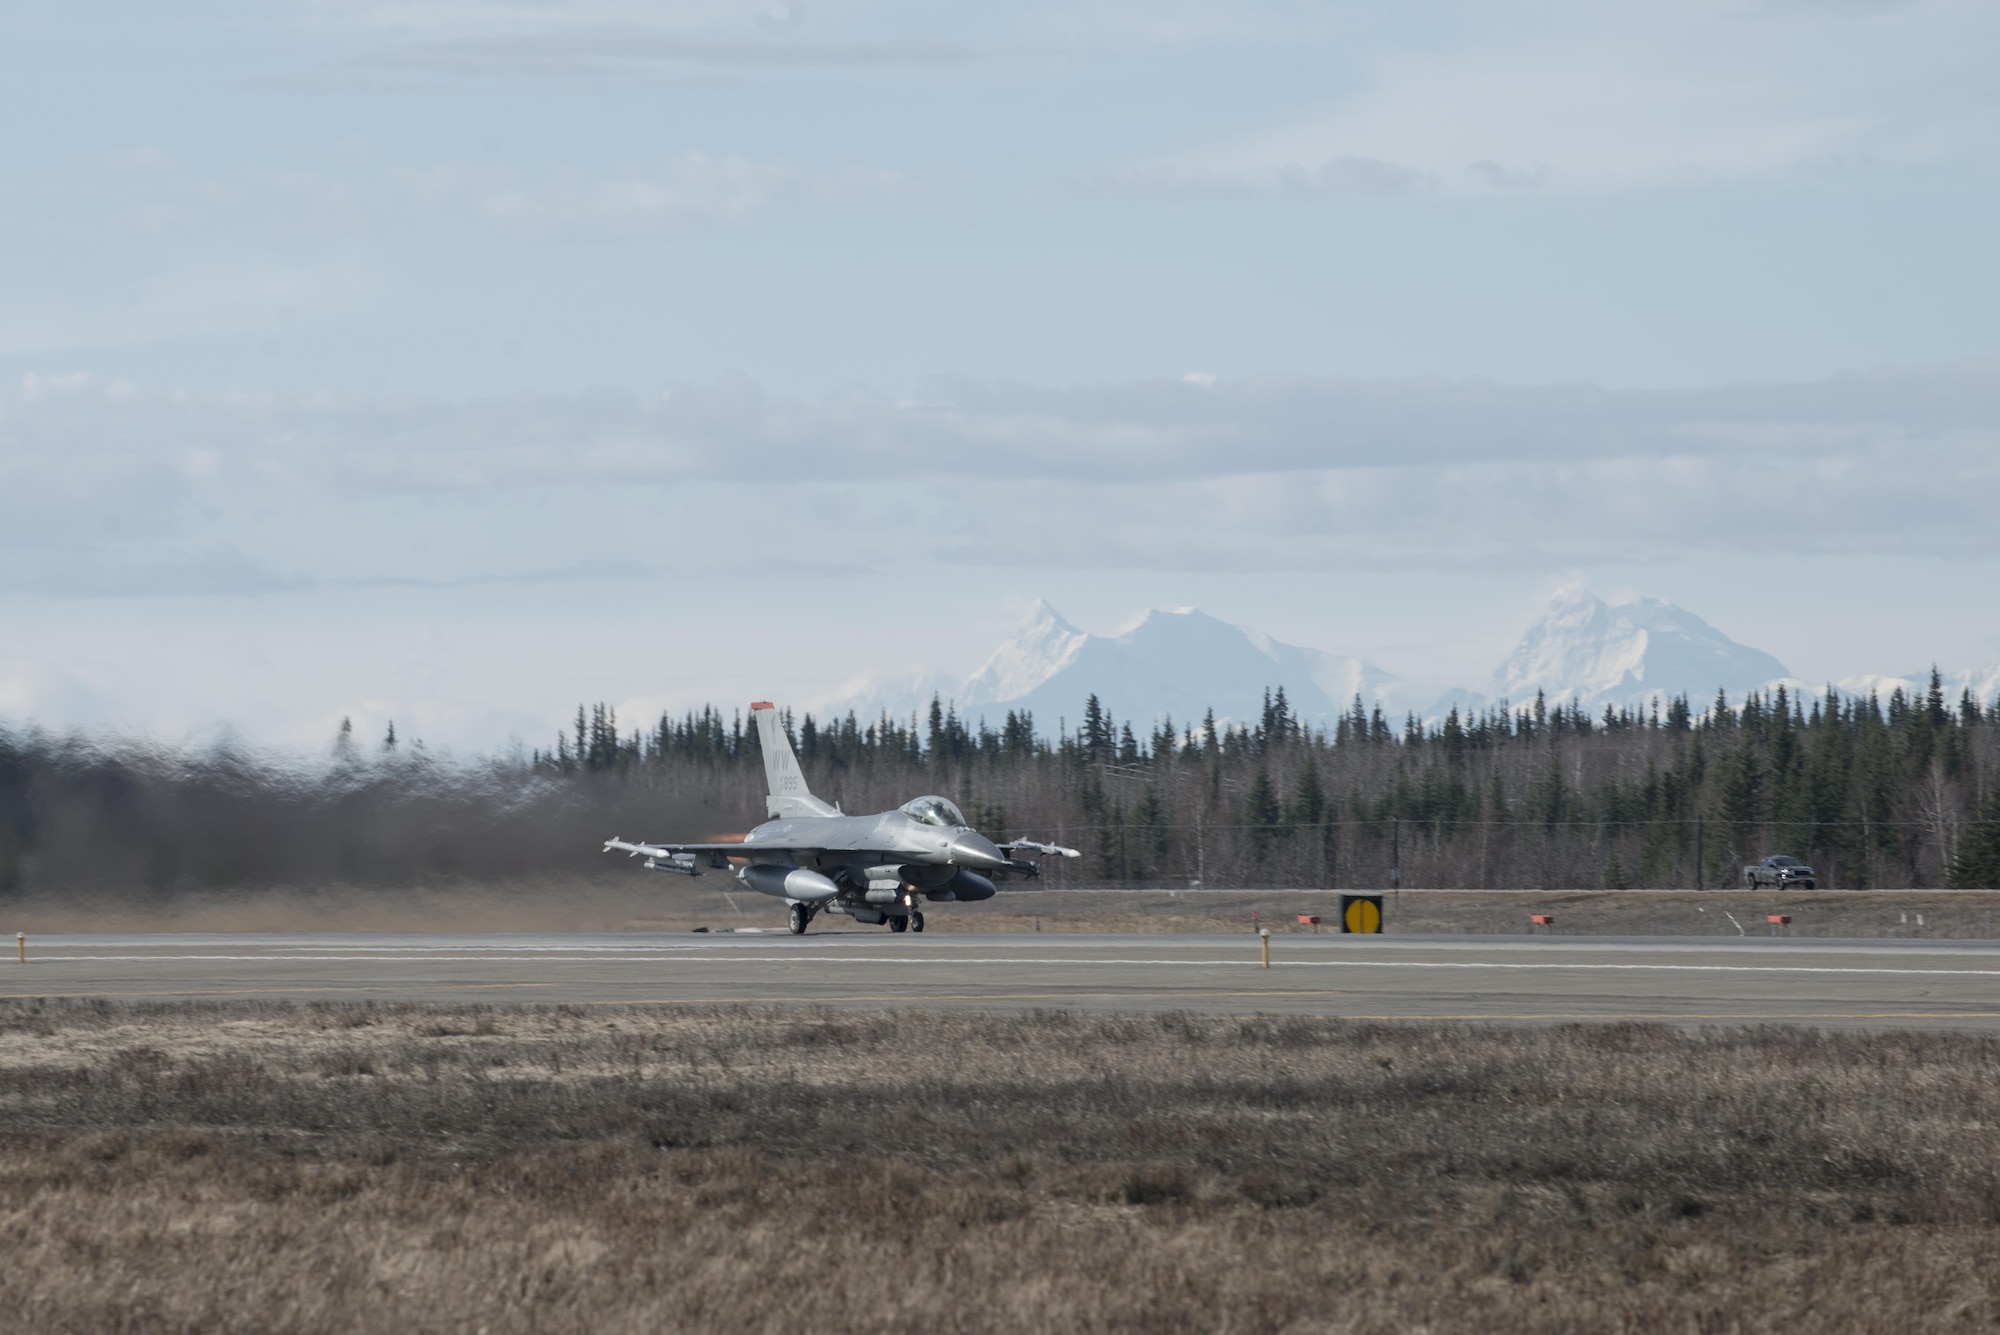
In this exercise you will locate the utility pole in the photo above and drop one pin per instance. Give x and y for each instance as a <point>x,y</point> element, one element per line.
<point>1396,855</point>
<point>1698,871</point>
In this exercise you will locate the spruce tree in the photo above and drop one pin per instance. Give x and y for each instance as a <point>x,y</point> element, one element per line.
<point>1150,827</point>
<point>1309,813</point>
<point>1976,865</point>
<point>1264,815</point>
<point>1453,736</point>
<point>1097,735</point>
<point>1309,797</point>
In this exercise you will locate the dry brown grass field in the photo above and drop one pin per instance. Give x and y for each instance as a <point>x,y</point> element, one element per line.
<point>260,1167</point>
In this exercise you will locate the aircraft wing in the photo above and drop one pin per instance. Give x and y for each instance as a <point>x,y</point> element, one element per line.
<point>684,858</point>
<point>668,850</point>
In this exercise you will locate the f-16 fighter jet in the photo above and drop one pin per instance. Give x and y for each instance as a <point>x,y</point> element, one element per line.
<point>872,868</point>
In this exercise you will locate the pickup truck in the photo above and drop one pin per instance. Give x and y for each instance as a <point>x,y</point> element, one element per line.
<point>1781,872</point>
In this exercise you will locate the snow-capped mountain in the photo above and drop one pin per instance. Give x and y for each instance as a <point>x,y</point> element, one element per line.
<point>1171,663</point>
<point>1040,649</point>
<point>898,694</point>
<point>1581,649</point>
<point>1984,683</point>
<point>1178,663</point>
<point>1586,650</point>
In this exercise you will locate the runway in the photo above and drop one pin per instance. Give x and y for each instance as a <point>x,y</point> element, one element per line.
<point>1872,983</point>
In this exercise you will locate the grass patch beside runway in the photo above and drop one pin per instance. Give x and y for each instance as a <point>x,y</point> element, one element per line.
<point>1913,914</point>
<point>335,1167</point>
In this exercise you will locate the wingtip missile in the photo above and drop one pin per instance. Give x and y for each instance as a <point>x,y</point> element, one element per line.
<point>1047,850</point>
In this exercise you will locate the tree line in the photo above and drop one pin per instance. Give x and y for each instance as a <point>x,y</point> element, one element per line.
<point>1874,793</point>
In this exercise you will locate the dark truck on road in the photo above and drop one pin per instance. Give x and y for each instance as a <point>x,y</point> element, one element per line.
<point>1780,872</point>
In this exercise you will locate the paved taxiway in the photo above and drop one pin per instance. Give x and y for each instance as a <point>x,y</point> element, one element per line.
<point>1875,983</point>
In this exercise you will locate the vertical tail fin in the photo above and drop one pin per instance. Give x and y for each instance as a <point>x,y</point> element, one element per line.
<point>787,783</point>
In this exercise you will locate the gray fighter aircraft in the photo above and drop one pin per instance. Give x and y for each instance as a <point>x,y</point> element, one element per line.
<point>872,868</point>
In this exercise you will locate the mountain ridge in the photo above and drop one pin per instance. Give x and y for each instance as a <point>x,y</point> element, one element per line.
<point>1580,650</point>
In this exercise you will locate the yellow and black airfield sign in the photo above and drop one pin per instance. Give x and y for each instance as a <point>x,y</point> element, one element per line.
<point>1361,914</point>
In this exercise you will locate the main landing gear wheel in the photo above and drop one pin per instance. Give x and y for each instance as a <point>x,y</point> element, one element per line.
<point>899,924</point>
<point>916,921</point>
<point>797,919</point>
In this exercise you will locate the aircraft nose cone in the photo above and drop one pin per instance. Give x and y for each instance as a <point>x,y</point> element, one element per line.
<point>976,851</point>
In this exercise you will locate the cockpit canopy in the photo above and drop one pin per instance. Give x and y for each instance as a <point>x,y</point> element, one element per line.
<point>935,811</point>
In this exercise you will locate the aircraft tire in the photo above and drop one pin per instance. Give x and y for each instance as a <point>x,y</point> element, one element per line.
<point>899,924</point>
<point>916,920</point>
<point>796,920</point>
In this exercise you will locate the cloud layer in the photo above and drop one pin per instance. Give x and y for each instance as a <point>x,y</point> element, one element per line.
<point>1262,473</point>
<point>1583,114</point>
<point>691,191</point>
<point>636,49</point>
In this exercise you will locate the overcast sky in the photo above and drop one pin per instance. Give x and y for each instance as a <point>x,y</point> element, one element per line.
<point>455,361</point>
